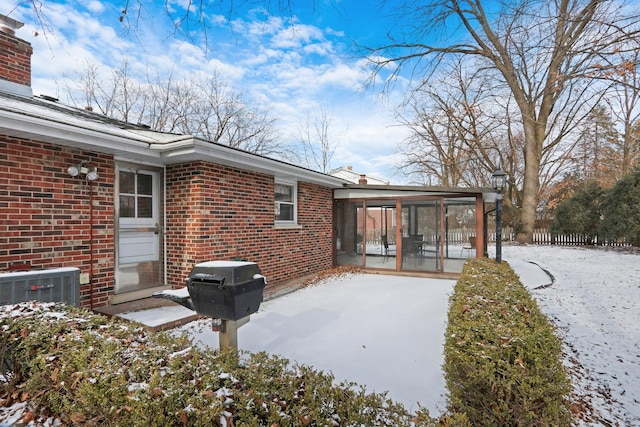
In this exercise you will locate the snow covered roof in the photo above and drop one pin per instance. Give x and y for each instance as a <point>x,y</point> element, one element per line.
<point>44,119</point>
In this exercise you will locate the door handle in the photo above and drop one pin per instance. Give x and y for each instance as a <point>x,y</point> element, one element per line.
<point>156,230</point>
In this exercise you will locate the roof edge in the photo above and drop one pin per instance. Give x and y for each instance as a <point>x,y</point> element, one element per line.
<point>139,144</point>
<point>422,188</point>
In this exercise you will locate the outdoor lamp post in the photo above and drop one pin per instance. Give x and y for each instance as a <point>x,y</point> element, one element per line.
<point>499,181</point>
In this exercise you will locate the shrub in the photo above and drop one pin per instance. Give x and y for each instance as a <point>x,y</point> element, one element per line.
<point>85,369</point>
<point>502,359</point>
<point>580,214</point>
<point>621,210</point>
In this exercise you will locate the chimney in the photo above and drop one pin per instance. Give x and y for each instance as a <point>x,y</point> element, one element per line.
<point>350,168</point>
<point>363,179</point>
<point>15,59</point>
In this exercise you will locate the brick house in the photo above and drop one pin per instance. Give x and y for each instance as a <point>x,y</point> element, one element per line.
<point>135,209</point>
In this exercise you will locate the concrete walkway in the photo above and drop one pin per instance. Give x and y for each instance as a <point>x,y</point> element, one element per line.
<point>161,314</point>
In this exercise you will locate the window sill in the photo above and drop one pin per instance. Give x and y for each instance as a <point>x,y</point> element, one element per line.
<point>285,226</point>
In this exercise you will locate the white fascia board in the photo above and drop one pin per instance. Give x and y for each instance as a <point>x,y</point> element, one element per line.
<point>161,137</point>
<point>27,122</point>
<point>196,149</point>
<point>117,142</point>
<point>362,193</point>
<point>367,193</point>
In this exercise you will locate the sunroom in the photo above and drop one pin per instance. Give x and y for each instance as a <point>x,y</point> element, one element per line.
<point>409,228</point>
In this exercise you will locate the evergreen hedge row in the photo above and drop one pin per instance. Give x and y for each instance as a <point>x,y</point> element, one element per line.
<point>78,368</point>
<point>502,367</point>
<point>502,359</point>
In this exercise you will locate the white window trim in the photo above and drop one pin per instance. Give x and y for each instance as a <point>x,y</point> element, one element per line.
<point>154,196</point>
<point>294,222</point>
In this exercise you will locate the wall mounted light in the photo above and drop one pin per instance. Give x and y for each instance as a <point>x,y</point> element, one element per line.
<point>90,172</point>
<point>73,170</point>
<point>92,175</point>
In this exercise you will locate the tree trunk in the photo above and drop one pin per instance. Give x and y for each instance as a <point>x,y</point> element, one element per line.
<point>534,137</point>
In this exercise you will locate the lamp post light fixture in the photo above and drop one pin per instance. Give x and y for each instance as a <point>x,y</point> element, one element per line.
<point>499,181</point>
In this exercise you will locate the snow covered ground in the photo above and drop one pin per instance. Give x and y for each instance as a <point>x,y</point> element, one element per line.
<point>384,332</point>
<point>595,303</point>
<point>387,332</point>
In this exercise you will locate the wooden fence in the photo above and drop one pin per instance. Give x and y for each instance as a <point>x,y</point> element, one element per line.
<point>542,236</point>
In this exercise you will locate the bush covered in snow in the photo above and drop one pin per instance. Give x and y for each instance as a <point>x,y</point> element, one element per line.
<point>503,361</point>
<point>66,366</point>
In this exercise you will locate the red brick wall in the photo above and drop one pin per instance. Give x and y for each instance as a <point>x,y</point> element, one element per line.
<point>221,213</point>
<point>15,59</point>
<point>213,213</point>
<point>45,214</point>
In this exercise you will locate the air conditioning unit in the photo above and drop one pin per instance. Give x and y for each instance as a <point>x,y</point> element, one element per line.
<point>51,285</point>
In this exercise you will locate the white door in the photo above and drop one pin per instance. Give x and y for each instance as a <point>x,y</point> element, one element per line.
<point>139,260</point>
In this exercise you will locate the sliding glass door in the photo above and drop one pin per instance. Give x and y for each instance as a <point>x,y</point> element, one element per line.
<point>422,235</point>
<point>428,234</point>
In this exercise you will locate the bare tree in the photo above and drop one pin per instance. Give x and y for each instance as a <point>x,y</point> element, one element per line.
<point>462,129</point>
<point>449,130</point>
<point>168,102</point>
<point>193,19</point>
<point>547,54</point>
<point>208,108</point>
<point>223,115</point>
<point>111,94</point>
<point>317,142</point>
<point>624,102</point>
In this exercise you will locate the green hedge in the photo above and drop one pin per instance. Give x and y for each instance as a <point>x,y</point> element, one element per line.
<point>85,369</point>
<point>502,367</point>
<point>502,359</point>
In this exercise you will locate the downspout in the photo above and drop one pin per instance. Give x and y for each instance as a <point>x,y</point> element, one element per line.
<point>163,228</point>
<point>90,244</point>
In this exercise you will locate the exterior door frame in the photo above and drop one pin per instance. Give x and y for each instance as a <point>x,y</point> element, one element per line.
<point>150,267</point>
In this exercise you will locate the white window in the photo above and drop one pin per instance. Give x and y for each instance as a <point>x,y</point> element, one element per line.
<point>285,203</point>
<point>136,195</point>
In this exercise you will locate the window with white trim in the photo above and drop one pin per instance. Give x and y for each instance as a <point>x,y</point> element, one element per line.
<point>285,203</point>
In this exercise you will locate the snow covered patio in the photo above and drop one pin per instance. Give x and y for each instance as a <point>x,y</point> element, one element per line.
<point>386,332</point>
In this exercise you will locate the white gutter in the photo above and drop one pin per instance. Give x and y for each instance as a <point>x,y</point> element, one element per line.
<point>197,149</point>
<point>22,120</point>
<point>120,142</point>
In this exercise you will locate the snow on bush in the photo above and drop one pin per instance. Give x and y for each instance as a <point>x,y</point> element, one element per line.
<point>503,361</point>
<point>62,366</point>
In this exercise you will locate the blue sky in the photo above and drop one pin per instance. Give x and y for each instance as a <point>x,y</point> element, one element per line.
<point>297,61</point>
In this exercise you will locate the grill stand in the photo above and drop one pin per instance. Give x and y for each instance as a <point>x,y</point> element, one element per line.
<point>228,331</point>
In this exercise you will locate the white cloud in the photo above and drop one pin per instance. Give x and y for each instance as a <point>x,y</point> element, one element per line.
<point>322,48</point>
<point>258,28</point>
<point>262,57</point>
<point>343,75</point>
<point>296,36</point>
<point>230,71</point>
<point>187,55</point>
<point>294,67</point>
<point>95,6</point>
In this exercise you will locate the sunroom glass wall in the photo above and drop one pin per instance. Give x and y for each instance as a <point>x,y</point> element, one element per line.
<point>421,235</point>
